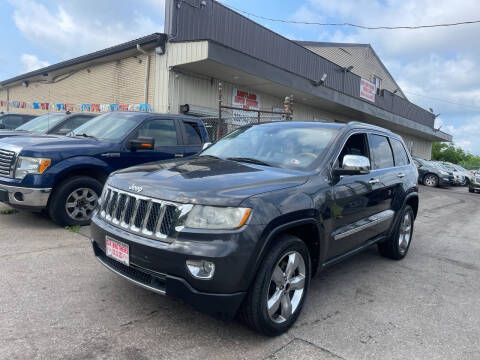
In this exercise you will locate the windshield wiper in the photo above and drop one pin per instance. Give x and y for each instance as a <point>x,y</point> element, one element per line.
<point>87,136</point>
<point>249,160</point>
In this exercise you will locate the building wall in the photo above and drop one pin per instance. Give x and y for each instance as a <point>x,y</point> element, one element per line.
<point>114,82</point>
<point>419,147</point>
<point>365,63</point>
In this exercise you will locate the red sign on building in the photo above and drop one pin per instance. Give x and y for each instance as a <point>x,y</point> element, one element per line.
<point>367,90</point>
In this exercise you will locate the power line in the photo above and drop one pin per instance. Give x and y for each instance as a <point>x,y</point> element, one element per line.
<point>443,100</point>
<point>352,25</point>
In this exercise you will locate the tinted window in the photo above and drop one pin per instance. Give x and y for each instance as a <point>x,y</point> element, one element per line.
<point>192,133</point>
<point>163,131</point>
<point>71,124</point>
<point>381,152</point>
<point>12,121</point>
<point>401,157</point>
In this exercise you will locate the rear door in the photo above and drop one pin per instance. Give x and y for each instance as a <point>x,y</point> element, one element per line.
<point>168,142</point>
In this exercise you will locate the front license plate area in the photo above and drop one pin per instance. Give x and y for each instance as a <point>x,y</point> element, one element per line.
<point>117,250</point>
<point>3,196</point>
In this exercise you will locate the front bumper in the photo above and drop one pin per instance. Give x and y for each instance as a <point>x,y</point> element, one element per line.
<point>446,180</point>
<point>475,185</point>
<point>22,197</point>
<point>161,267</point>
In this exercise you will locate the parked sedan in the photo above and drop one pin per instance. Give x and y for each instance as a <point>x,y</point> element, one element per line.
<point>55,123</point>
<point>468,174</point>
<point>12,121</point>
<point>433,175</point>
<point>474,185</point>
<point>459,176</point>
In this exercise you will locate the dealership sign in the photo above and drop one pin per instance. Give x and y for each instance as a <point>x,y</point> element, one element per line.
<point>244,100</point>
<point>367,90</point>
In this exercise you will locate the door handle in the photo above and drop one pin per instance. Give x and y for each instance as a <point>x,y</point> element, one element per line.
<point>178,155</point>
<point>373,181</point>
<point>401,175</point>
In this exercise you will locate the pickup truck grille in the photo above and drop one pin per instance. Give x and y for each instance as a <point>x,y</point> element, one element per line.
<point>6,163</point>
<point>144,216</point>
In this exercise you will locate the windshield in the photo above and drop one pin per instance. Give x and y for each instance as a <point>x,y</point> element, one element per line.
<point>42,123</point>
<point>109,126</point>
<point>277,145</point>
<point>459,168</point>
<point>439,166</point>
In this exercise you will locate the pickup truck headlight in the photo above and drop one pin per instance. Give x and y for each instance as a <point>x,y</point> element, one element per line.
<point>216,218</point>
<point>29,165</point>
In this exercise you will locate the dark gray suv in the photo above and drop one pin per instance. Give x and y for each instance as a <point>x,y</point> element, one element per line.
<point>244,226</point>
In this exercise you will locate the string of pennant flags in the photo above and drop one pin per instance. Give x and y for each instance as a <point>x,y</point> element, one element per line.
<point>36,105</point>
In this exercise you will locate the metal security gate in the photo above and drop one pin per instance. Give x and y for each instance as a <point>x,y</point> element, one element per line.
<point>231,117</point>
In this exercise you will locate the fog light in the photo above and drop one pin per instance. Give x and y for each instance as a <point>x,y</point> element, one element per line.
<point>201,269</point>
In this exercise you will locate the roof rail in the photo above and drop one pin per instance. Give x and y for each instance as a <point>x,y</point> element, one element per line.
<point>370,126</point>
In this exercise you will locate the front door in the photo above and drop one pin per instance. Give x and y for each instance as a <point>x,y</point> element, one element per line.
<point>167,138</point>
<point>359,201</point>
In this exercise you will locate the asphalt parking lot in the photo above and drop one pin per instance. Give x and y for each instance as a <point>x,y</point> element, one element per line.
<point>58,302</point>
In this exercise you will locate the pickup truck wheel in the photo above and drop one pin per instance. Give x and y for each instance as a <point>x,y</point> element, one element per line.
<point>430,180</point>
<point>396,247</point>
<point>74,201</point>
<point>278,292</point>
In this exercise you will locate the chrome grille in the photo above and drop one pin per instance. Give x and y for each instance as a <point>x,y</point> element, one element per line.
<point>6,163</point>
<point>145,216</point>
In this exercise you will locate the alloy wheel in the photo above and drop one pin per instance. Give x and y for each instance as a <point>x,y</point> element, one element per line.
<point>286,288</point>
<point>81,203</point>
<point>405,234</point>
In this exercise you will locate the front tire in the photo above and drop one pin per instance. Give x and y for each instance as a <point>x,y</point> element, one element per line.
<point>396,247</point>
<point>278,292</point>
<point>430,180</point>
<point>74,200</point>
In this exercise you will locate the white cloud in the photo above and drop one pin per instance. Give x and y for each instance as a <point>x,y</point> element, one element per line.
<point>75,27</point>
<point>31,62</point>
<point>438,63</point>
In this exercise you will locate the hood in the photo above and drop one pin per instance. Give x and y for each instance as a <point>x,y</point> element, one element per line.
<point>8,133</point>
<point>53,146</point>
<point>206,180</point>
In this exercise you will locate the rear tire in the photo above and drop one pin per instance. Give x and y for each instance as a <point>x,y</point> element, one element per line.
<point>277,295</point>
<point>396,247</point>
<point>73,201</point>
<point>430,180</point>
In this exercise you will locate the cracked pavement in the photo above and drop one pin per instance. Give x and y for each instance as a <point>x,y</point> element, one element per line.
<point>58,302</point>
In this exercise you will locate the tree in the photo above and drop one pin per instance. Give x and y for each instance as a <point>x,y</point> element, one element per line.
<point>454,154</point>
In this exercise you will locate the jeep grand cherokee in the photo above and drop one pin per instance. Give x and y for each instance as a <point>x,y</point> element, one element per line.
<point>243,226</point>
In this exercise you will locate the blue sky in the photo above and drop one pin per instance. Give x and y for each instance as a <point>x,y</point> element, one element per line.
<point>436,68</point>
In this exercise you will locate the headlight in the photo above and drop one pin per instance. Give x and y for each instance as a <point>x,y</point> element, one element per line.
<point>214,217</point>
<point>29,165</point>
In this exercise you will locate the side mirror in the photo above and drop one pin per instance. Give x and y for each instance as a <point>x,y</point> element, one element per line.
<point>142,143</point>
<point>2,126</point>
<point>353,165</point>
<point>206,145</point>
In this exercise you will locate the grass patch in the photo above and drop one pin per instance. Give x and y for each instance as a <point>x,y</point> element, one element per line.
<point>73,229</point>
<point>8,212</point>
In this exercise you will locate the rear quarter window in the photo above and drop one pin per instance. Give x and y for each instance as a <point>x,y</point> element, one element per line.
<point>192,134</point>
<point>399,153</point>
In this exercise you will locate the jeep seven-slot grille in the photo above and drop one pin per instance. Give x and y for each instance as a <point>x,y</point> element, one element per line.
<point>148,217</point>
<point>6,162</point>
